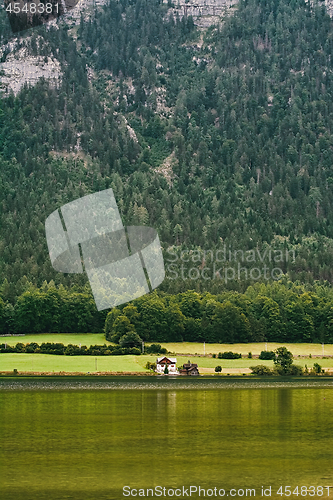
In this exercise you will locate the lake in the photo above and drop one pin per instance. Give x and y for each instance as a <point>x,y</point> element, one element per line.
<point>87,439</point>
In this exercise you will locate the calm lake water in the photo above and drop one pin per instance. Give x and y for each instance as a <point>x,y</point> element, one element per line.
<point>87,439</point>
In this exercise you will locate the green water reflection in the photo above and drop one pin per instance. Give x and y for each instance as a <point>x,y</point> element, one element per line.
<point>88,444</point>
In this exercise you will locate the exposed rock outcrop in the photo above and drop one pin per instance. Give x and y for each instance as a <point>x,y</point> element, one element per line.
<point>204,12</point>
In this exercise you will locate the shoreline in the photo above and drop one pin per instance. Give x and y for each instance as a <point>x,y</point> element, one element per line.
<point>73,374</point>
<point>240,375</point>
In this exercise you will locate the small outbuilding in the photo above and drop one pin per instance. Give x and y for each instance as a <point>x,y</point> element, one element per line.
<point>171,363</point>
<point>189,369</point>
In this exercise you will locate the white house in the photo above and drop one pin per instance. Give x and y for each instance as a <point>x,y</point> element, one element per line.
<point>170,362</point>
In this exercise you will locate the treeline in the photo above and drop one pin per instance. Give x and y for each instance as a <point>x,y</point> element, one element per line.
<point>274,313</point>
<point>59,349</point>
<point>51,309</point>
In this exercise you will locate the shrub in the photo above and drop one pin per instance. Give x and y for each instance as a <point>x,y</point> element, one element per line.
<point>278,370</point>
<point>317,368</point>
<point>150,366</point>
<point>118,351</point>
<point>72,350</point>
<point>20,347</point>
<point>218,368</point>
<point>267,355</point>
<point>7,348</point>
<point>31,347</point>
<point>94,350</point>
<point>283,360</point>
<point>229,355</point>
<point>296,370</point>
<point>52,348</point>
<point>155,349</point>
<point>134,350</point>
<point>261,370</point>
<point>250,355</point>
<point>213,355</point>
<point>131,339</point>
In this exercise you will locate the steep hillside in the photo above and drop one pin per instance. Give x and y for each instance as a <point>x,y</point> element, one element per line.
<point>220,138</point>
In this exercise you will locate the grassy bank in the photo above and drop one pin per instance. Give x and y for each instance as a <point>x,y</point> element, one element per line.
<point>93,364</point>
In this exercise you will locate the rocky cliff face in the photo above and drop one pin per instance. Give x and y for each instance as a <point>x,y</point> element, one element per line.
<point>20,67</point>
<point>208,12</point>
<point>204,12</point>
<point>329,7</point>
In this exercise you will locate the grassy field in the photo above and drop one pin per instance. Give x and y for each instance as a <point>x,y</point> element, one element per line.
<point>255,348</point>
<point>50,363</point>
<point>177,348</point>
<point>183,351</point>
<point>64,338</point>
<point>92,364</point>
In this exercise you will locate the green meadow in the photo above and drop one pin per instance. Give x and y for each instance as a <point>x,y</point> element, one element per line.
<point>64,338</point>
<point>51,363</point>
<point>183,351</point>
<point>244,349</point>
<point>176,347</point>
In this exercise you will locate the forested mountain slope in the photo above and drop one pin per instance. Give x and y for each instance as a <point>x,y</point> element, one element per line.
<point>217,138</point>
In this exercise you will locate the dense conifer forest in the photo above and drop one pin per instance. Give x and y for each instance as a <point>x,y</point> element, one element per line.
<point>218,138</point>
<point>275,312</point>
